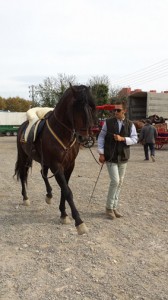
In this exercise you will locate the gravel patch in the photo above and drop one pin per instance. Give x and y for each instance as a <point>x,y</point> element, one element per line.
<point>123,259</point>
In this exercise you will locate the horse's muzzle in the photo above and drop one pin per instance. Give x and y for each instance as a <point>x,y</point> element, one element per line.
<point>81,138</point>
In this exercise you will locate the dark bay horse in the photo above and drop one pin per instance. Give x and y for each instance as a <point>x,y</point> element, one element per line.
<point>154,119</point>
<point>57,147</point>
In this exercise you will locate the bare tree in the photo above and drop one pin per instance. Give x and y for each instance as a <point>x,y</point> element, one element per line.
<point>96,80</point>
<point>50,91</point>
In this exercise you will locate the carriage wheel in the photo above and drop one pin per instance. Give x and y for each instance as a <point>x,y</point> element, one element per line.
<point>89,143</point>
<point>8,133</point>
<point>158,146</point>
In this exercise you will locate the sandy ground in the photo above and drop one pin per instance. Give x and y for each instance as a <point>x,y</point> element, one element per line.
<point>123,259</point>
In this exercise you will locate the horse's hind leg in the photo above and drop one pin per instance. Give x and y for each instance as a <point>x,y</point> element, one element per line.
<point>26,200</point>
<point>23,164</point>
<point>44,173</point>
<point>23,178</point>
<point>64,216</point>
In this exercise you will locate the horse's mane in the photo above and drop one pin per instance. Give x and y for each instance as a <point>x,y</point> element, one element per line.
<point>81,93</point>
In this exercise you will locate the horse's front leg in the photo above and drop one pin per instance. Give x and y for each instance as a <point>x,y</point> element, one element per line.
<point>44,173</point>
<point>66,194</point>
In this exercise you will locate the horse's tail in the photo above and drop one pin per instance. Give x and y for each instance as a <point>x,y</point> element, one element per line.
<point>24,162</point>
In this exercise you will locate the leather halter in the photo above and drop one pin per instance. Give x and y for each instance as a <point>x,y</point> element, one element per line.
<point>58,139</point>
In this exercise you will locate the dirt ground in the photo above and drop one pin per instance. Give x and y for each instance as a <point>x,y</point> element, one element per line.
<point>123,259</point>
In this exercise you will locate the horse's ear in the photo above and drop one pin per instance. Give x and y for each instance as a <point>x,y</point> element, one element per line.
<point>72,88</point>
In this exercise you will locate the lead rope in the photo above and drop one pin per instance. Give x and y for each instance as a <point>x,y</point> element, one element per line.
<point>94,156</point>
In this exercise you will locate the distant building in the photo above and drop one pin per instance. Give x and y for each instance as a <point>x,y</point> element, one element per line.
<point>144,104</point>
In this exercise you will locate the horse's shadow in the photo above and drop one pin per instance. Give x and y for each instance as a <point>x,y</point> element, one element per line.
<point>93,214</point>
<point>27,215</point>
<point>18,214</point>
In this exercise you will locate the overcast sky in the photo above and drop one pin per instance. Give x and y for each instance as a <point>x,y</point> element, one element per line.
<point>126,40</point>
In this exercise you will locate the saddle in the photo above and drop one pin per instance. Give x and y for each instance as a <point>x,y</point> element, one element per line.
<point>32,130</point>
<point>34,116</point>
<point>35,131</point>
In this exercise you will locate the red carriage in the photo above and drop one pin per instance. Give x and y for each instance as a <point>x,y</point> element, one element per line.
<point>162,138</point>
<point>103,112</point>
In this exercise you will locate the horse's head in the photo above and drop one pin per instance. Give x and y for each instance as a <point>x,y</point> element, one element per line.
<point>83,109</point>
<point>139,124</point>
<point>76,110</point>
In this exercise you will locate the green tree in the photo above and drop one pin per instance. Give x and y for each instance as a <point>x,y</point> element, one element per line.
<point>100,89</point>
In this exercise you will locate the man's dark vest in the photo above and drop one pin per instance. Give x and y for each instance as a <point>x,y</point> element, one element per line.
<point>117,151</point>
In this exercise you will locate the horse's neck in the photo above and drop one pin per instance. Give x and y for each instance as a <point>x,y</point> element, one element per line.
<point>61,127</point>
<point>62,117</point>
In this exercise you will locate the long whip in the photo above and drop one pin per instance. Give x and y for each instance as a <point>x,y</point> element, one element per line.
<point>100,173</point>
<point>95,184</point>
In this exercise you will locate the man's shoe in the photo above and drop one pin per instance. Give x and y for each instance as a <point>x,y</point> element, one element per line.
<point>110,213</point>
<point>117,214</point>
<point>153,158</point>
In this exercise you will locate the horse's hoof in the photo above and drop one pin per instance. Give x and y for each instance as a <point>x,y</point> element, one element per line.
<point>48,200</point>
<point>65,220</point>
<point>26,202</point>
<point>81,229</point>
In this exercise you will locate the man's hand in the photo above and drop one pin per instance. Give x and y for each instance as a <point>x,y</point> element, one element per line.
<point>101,158</point>
<point>119,138</point>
